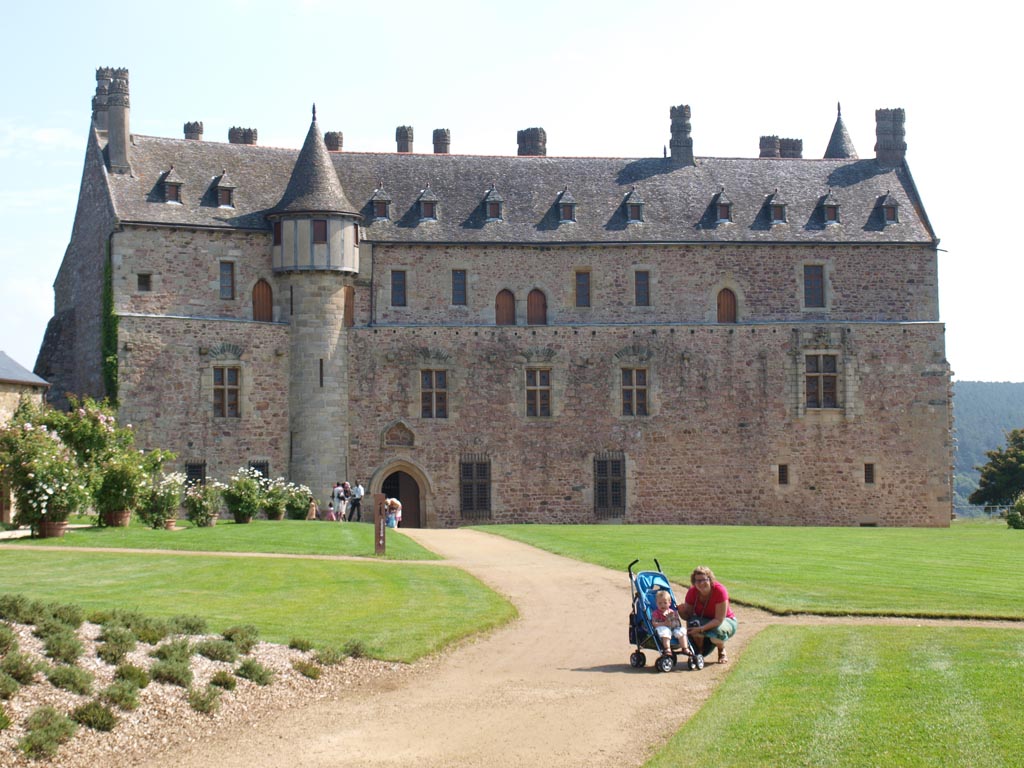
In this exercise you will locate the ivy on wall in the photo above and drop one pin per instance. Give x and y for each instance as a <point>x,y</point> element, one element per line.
<point>109,340</point>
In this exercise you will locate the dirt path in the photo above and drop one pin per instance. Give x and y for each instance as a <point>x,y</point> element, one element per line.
<point>553,688</point>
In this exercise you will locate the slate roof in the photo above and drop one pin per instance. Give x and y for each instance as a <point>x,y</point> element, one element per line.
<point>13,373</point>
<point>840,145</point>
<point>679,201</point>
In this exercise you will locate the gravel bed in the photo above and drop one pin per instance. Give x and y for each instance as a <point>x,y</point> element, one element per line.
<point>164,717</point>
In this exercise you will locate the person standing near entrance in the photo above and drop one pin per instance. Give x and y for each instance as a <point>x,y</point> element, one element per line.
<point>354,505</point>
<point>336,496</point>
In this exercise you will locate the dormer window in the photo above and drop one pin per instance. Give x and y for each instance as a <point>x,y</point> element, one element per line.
<point>172,186</point>
<point>428,204</point>
<point>723,208</point>
<point>778,213</point>
<point>830,208</point>
<point>493,204</point>
<point>224,190</point>
<point>890,209</point>
<point>380,202</point>
<point>634,207</point>
<point>566,207</point>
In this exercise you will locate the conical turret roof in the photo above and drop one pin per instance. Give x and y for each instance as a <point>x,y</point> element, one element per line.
<point>314,186</point>
<point>840,146</point>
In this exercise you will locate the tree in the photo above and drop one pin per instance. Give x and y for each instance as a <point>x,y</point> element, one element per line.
<point>1002,479</point>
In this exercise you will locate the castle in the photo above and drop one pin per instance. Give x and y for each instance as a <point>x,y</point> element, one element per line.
<point>677,339</point>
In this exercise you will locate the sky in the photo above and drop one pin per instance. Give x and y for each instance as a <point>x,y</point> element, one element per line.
<point>598,76</point>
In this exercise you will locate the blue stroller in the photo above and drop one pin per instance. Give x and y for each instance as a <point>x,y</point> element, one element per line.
<point>645,586</point>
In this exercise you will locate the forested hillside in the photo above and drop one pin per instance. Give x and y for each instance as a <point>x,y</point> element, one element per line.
<point>983,412</point>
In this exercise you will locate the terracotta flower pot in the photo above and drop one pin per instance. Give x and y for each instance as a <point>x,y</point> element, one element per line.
<point>117,519</point>
<point>171,524</point>
<point>49,529</point>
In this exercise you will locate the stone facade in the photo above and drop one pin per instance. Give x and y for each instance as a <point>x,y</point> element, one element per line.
<point>667,340</point>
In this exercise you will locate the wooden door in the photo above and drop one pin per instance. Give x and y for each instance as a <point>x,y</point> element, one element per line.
<point>536,308</point>
<point>262,302</point>
<point>726,306</point>
<point>505,308</point>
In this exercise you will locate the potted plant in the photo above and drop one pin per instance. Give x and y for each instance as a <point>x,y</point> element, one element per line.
<point>243,495</point>
<point>297,501</point>
<point>202,503</point>
<point>41,470</point>
<point>122,481</point>
<point>275,498</point>
<point>161,502</point>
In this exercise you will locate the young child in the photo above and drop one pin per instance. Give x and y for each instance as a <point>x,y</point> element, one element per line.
<point>666,621</point>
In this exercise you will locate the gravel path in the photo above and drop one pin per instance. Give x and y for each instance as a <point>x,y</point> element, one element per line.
<point>552,688</point>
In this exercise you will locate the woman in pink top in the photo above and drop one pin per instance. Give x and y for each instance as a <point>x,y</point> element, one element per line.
<point>706,609</point>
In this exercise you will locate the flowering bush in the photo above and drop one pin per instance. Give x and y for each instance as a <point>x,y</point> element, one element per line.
<point>275,497</point>
<point>47,483</point>
<point>244,494</point>
<point>90,429</point>
<point>121,484</point>
<point>161,501</point>
<point>297,503</point>
<point>202,502</point>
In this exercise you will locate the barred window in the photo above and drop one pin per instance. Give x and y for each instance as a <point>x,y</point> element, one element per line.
<point>582,288</point>
<point>814,285</point>
<point>822,381</point>
<point>398,288</point>
<point>475,487</point>
<point>538,392</point>
<point>226,387</point>
<point>610,485</point>
<point>459,287</point>
<point>634,391</point>
<point>434,394</point>
<point>263,467</point>
<point>195,472</point>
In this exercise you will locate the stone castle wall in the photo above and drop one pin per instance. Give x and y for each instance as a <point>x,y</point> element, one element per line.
<point>726,410</point>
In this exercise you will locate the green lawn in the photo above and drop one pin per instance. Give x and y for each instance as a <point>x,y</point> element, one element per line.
<point>398,611</point>
<point>293,537</point>
<point>969,569</point>
<point>863,696</point>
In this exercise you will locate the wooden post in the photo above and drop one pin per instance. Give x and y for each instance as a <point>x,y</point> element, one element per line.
<point>380,517</point>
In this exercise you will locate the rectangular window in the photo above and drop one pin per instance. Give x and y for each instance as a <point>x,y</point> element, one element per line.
<point>428,209</point>
<point>277,233</point>
<point>226,387</point>
<point>869,474</point>
<point>459,287</point>
<point>398,288</point>
<point>634,391</point>
<point>538,392</point>
<point>224,197</point>
<point>783,474</point>
<point>822,380</point>
<point>609,485</point>
<point>145,282</point>
<point>475,488</point>
<point>494,210</point>
<point>634,212</point>
<point>814,285</point>
<point>434,394</point>
<point>172,193</point>
<point>319,231</point>
<point>263,467</point>
<point>582,289</point>
<point>724,212</point>
<point>642,288</point>
<point>778,213</point>
<point>195,472</point>
<point>567,212</point>
<point>380,209</point>
<point>227,280</point>
<point>831,213</point>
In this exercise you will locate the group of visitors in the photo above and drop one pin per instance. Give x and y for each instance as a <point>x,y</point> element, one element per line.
<point>345,504</point>
<point>705,614</point>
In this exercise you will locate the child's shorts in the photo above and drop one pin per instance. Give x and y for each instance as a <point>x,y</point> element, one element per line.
<point>678,632</point>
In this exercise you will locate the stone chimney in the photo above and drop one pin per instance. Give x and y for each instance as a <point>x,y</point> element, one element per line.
<point>791,148</point>
<point>681,145</point>
<point>771,146</point>
<point>890,148</point>
<point>334,140</point>
<point>194,131</point>
<point>118,134</point>
<point>242,135</point>
<point>99,101</point>
<point>403,137</point>
<point>533,142</point>
<point>442,141</point>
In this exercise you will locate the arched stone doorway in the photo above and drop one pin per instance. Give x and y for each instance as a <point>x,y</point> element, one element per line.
<point>403,486</point>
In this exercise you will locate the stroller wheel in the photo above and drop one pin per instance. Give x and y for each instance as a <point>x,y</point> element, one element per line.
<point>665,663</point>
<point>637,660</point>
<point>700,662</point>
